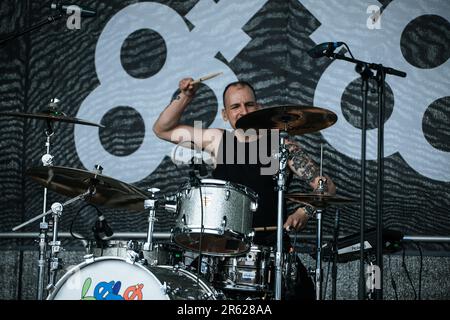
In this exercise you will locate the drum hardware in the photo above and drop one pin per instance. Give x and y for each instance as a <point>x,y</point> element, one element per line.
<point>69,182</point>
<point>320,200</point>
<point>56,211</point>
<point>170,204</point>
<point>133,257</point>
<point>294,120</point>
<point>150,204</point>
<point>223,224</point>
<point>88,258</point>
<point>50,115</point>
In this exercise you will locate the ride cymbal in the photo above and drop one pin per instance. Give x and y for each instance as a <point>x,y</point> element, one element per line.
<point>293,119</point>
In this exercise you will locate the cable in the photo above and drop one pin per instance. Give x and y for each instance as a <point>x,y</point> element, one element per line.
<point>326,280</point>
<point>394,285</point>
<point>407,273</point>
<point>420,269</point>
<point>73,221</point>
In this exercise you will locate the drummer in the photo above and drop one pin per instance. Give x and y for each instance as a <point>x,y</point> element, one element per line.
<point>239,99</point>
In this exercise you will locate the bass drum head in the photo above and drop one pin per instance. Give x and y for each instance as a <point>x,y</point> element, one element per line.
<point>113,278</point>
<point>109,278</point>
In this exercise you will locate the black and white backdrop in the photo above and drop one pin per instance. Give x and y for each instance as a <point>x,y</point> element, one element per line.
<point>122,67</point>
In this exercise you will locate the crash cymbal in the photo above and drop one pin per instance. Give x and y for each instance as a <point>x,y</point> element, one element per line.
<point>73,182</point>
<point>319,200</point>
<point>51,115</point>
<point>293,119</point>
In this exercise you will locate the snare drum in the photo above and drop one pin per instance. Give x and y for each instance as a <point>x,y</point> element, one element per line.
<point>255,271</point>
<point>113,278</point>
<point>226,212</point>
<point>250,272</point>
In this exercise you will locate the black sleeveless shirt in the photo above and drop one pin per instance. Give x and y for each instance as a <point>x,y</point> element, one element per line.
<point>249,175</point>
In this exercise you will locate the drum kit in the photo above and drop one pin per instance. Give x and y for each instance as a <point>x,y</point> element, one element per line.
<point>211,254</point>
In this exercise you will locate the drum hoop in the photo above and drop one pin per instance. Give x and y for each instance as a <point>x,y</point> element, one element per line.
<point>191,275</point>
<point>223,183</point>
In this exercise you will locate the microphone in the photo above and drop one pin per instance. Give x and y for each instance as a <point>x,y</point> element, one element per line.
<point>102,230</point>
<point>64,7</point>
<point>324,49</point>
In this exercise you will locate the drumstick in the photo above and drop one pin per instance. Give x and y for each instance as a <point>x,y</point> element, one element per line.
<point>273,228</point>
<point>209,76</point>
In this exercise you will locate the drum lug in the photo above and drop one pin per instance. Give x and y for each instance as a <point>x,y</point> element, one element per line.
<point>164,288</point>
<point>172,208</point>
<point>254,206</point>
<point>223,224</point>
<point>250,235</point>
<point>227,194</point>
<point>89,258</point>
<point>132,257</point>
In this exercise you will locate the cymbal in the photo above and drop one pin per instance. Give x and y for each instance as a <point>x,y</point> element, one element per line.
<point>319,200</point>
<point>73,182</point>
<point>291,118</point>
<point>51,115</point>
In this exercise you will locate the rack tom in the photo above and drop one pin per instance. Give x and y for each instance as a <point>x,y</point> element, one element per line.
<point>225,210</point>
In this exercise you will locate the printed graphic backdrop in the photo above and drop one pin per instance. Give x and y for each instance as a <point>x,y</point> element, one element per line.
<point>123,66</point>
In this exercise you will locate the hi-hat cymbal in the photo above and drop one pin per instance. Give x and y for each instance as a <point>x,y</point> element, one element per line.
<point>293,119</point>
<point>73,182</point>
<point>51,115</point>
<point>319,200</point>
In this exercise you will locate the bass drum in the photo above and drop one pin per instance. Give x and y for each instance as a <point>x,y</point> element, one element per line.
<point>114,278</point>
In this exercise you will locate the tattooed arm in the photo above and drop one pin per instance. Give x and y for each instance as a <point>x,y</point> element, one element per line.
<point>304,167</point>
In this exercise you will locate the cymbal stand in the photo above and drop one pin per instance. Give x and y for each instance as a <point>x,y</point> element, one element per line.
<point>47,160</point>
<point>56,211</point>
<point>281,188</point>
<point>322,188</point>
<point>55,262</point>
<point>151,205</point>
<point>319,272</point>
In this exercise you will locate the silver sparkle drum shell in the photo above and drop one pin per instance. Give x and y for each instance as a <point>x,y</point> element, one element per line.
<point>226,213</point>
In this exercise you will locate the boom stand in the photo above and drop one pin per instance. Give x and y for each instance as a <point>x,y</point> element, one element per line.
<point>366,70</point>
